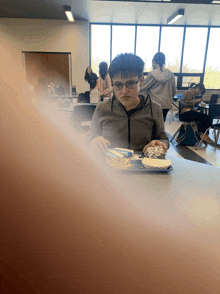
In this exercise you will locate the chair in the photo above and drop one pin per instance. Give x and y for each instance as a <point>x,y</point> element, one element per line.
<point>82,113</point>
<point>177,97</point>
<point>214,112</point>
<point>214,99</point>
<point>84,97</point>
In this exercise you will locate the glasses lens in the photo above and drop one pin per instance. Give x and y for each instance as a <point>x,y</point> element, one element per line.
<point>130,85</point>
<point>118,86</point>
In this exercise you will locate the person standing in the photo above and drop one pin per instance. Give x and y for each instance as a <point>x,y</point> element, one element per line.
<point>160,84</point>
<point>91,78</point>
<point>104,82</point>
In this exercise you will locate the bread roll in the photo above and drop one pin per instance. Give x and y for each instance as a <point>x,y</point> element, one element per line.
<point>156,163</point>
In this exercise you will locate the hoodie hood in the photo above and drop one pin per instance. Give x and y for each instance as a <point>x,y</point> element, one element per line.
<point>162,76</point>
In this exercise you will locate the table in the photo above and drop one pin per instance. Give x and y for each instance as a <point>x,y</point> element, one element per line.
<point>188,183</point>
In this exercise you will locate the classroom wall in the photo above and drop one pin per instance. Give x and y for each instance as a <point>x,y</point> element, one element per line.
<point>17,35</point>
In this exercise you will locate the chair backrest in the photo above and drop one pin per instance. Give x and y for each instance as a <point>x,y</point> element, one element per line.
<point>84,98</point>
<point>214,99</point>
<point>83,112</point>
<point>214,111</point>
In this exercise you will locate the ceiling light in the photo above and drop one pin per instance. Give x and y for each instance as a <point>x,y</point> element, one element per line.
<point>175,16</point>
<point>217,2</point>
<point>69,13</point>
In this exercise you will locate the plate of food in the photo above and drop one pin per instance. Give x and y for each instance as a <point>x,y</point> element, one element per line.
<point>138,162</point>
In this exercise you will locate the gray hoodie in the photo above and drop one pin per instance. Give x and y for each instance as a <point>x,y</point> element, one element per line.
<point>133,129</point>
<point>160,85</point>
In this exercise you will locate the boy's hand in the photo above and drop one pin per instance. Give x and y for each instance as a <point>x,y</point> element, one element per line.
<point>100,144</point>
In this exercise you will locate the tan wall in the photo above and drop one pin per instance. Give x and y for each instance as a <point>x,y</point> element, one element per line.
<point>17,35</point>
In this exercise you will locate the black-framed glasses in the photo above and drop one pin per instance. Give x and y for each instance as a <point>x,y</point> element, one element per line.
<point>129,85</point>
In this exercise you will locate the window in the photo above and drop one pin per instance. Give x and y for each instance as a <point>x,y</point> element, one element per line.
<point>212,70</point>
<point>100,45</point>
<point>147,44</point>
<point>171,46</point>
<point>122,39</point>
<point>194,50</point>
<point>187,81</point>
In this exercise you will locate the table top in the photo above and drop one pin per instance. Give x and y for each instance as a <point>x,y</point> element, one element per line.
<point>187,180</point>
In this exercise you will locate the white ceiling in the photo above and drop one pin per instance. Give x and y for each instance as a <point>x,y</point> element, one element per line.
<point>153,13</point>
<point>112,11</point>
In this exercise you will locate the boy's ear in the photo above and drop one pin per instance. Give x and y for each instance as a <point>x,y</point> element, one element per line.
<point>141,81</point>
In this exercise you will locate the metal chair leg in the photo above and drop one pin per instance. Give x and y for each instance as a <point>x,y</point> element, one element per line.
<point>175,134</point>
<point>216,136</point>
<point>202,139</point>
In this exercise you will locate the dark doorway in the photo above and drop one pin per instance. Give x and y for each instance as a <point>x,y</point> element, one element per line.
<point>49,65</point>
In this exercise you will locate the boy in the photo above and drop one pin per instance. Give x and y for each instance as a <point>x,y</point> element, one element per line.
<point>128,120</point>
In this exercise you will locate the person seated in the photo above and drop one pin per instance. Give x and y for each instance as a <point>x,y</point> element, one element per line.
<point>104,82</point>
<point>127,120</point>
<point>189,113</point>
<point>53,89</point>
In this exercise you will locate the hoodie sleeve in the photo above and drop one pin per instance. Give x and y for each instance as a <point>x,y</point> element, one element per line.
<point>173,86</point>
<point>149,81</point>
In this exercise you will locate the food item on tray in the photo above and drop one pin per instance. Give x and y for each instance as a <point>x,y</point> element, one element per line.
<point>155,152</point>
<point>120,163</point>
<point>203,104</point>
<point>125,152</point>
<point>153,163</point>
<point>113,153</point>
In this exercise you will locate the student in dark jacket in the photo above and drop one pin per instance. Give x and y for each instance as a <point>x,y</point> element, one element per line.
<point>91,78</point>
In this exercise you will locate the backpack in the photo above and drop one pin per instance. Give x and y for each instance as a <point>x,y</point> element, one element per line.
<point>188,134</point>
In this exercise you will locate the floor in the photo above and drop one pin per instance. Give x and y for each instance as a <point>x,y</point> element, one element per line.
<point>205,154</point>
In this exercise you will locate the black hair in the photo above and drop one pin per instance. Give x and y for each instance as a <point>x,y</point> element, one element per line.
<point>103,69</point>
<point>160,59</point>
<point>126,64</point>
<point>86,77</point>
<point>200,86</point>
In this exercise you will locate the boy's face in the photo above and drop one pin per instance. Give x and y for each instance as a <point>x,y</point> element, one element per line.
<point>128,97</point>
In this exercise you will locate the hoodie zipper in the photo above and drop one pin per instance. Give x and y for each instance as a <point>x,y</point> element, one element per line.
<point>129,119</point>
